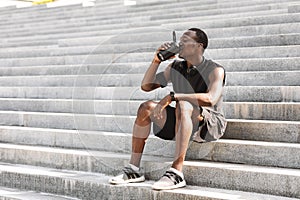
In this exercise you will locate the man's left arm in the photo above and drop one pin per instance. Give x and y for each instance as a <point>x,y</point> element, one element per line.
<point>214,91</point>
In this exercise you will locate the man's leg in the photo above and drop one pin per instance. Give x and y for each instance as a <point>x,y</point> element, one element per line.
<point>187,116</point>
<point>141,130</point>
<point>184,126</point>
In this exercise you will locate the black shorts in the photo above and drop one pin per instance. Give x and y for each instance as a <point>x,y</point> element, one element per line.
<point>210,129</point>
<point>168,131</point>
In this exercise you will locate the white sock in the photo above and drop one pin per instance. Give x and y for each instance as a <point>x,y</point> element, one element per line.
<point>135,168</point>
<point>177,172</point>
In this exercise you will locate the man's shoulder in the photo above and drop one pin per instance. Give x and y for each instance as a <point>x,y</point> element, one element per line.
<point>212,65</point>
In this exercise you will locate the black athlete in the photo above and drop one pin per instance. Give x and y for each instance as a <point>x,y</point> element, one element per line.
<point>198,93</point>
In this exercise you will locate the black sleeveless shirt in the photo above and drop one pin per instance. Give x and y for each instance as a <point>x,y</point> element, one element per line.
<point>194,79</point>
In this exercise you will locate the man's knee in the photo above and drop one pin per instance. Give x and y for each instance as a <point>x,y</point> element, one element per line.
<point>185,108</point>
<point>146,107</point>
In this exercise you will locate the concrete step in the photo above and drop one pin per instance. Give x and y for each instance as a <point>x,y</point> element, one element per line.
<point>232,93</point>
<point>249,15</point>
<point>223,42</point>
<point>266,180</point>
<point>77,30</point>
<point>122,123</point>
<point>233,110</point>
<point>280,132</point>
<point>263,78</point>
<point>224,150</point>
<point>70,121</point>
<point>261,64</point>
<point>112,18</point>
<point>211,5</point>
<point>266,7</point>
<point>10,10</point>
<point>258,41</point>
<point>93,186</point>
<point>30,44</point>
<point>44,11</point>
<point>76,38</point>
<point>208,8</point>
<point>246,19</point>
<point>146,54</point>
<point>61,12</point>
<point>281,78</point>
<point>97,48</point>
<point>249,152</point>
<point>262,111</point>
<point>23,8</point>
<point>294,8</point>
<point>262,130</point>
<point>261,94</point>
<point>233,65</point>
<point>235,22</point>
<point>258,52</point>
<point>16,194</point>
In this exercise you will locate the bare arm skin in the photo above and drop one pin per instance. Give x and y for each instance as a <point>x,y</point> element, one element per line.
<point>149,81</point>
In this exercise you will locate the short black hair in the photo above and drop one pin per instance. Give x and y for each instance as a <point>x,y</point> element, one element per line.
<point>201,36</point>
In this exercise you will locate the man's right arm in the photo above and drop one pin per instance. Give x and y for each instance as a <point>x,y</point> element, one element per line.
<point>151,81</point>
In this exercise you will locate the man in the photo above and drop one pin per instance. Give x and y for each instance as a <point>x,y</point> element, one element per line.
<point>198,87</point>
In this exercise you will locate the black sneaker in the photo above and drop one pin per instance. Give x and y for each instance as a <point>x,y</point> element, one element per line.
<point>129,175</point>
<point>170,180</point>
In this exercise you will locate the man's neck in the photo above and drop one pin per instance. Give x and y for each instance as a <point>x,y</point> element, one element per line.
<point>197,61</point>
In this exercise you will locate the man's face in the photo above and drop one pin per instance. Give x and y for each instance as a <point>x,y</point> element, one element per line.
<point>189,47</point>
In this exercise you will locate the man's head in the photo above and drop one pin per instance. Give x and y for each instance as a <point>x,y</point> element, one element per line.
<point>193,42</point>
<point>201,36</point>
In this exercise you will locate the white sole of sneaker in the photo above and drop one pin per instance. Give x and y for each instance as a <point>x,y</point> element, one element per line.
<point>180,185</point>
<point>114,181</point>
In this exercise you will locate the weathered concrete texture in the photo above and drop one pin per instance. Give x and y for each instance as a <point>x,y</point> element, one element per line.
<point>262,94</point>
<point>233,110</point>
<point>162,13</point>
<point>294,8</point>
<point>15,194</point>
<point>268,111</point>
<point>249,178</point>
<point>232,93</point>
<point>114,37</point>
<point>85,185</point>
<point>87,159</point>
<point>124,124</point>
<point>276,78</point>
<point>145,55</point>
<point>102,47</point>
<point>235,65</point>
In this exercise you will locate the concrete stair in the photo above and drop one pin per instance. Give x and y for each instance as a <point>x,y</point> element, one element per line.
<point>70,87</point>
<point>16,194</point>
<point>94,186</point>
